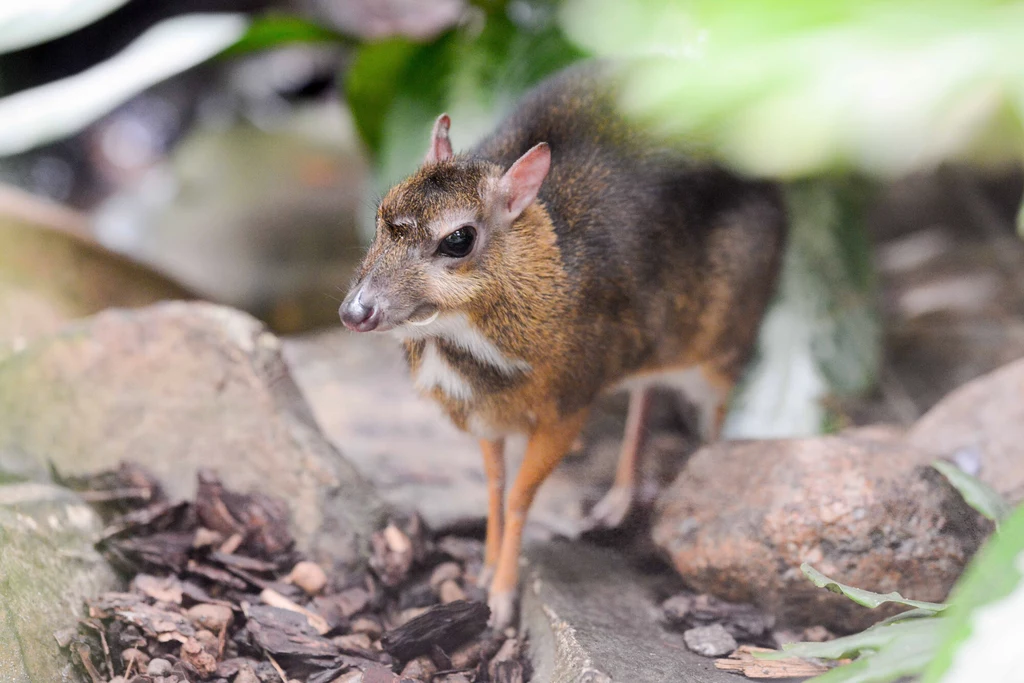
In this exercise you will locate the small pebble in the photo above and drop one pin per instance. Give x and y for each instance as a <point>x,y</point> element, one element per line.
<point>467,656</point>
<point>507,651</point>
<point>710,641</point>
<point>446,571</point>
<point>350,677</point>
<point>450,592</point>
<point>817,634</point>
<point>246,675</point>
<point>367,625</point>
<point>159,667</point>
<point>420,668</point>
<point>358,641</point>
<point>308,576</point>
<point>208,640</point>
<point>140,658</point>
<point>211,617</point>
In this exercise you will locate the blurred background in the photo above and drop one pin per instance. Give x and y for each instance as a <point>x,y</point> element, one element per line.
<point>233,150</point>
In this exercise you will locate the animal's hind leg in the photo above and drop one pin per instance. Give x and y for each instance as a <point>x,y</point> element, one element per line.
<point>612,509</point>
<point>713,404</point>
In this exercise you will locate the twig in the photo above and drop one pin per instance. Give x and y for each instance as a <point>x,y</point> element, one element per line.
<point>271,597</point>
<point>273,663</point>
<point>138,493</point>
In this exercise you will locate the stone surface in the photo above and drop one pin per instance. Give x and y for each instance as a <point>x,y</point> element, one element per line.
<point>862,507</point>
<point>982,424</point>
<point>177,387</point>
<point>51,272</point>
<point>591,618</point>
<point>710,641</point>
<point>47,568</point>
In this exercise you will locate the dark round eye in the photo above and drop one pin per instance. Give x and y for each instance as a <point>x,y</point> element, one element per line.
<point>459,243</point>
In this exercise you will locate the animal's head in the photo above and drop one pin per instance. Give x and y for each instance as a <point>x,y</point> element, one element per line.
<point>439,236</point>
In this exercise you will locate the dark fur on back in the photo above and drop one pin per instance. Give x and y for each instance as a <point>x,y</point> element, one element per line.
<point>666,258</point>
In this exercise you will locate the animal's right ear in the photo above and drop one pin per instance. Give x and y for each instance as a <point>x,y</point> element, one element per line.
<point>440,146</point>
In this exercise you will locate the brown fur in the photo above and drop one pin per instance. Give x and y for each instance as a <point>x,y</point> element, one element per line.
<point>632,260</point>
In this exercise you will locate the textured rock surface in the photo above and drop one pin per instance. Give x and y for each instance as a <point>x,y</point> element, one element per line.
<point>47,568</point>
<point>591,618</point>
<point>49,275</point>
<point>177,387</point>
<point>861,507</point>
<point>982,424</point>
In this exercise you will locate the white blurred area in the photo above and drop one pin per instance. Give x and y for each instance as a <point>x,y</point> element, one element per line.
<point>27,22</point>
<point>39,115</point>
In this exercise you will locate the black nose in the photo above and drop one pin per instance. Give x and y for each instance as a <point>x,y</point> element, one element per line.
<point>359,314</point>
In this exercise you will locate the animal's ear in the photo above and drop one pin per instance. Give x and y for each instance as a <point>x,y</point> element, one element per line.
<point>521,183</point>
<point>440,146</point>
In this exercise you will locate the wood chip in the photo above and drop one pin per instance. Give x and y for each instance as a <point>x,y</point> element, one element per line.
<point>742,661</point>
<point>443,626</point>
<point>271,597</point>
<point>161,589</point>
<point>308,576</point>
<point>286,633</point>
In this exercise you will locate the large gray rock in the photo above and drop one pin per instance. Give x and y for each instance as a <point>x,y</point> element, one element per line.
<point>592,619</point>
<point>981,424</point>
<point>177,387</point>
<point>863,507</point>
<point>47,568</point>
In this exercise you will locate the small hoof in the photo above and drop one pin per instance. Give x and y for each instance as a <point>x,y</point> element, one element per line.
<point>483,579</point>
<point>610,511</point>
<point>503,610</point>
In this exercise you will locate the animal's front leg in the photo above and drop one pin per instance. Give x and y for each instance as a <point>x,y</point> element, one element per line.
<point>547,446</point>
<point>494,468</point>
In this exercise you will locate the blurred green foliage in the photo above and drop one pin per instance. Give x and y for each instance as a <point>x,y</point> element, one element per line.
<point>276,30</point>
<point>799,88</point>
<point>474,72</point>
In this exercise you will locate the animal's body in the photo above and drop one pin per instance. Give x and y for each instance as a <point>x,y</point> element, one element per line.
<point>567,254</point>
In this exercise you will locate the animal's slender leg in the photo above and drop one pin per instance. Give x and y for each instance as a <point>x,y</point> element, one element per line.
<point>612,509</point>
<point>715,406</point>
<point>547,446</point>
<point>494,468</point>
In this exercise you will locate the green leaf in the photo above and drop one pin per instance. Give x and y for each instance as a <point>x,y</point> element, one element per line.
<point>907,653</point>
<point>886,652</point>
<point>975,492</point>
<point>864,597</point>
<point>475,73</point>
<point>993,587</point>
<point>909,615</point>
<point>778,89</point>
<point>870,640</point>
<point>275,30</point>
<point>372,81</point>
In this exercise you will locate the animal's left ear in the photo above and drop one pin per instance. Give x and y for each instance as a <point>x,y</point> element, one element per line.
<point>440,146</point>
<point>521,183</point>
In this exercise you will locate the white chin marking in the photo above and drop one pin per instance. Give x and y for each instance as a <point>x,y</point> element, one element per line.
<point>429,320</point>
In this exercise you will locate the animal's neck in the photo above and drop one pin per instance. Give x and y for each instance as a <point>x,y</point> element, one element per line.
<point>497,341</point>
